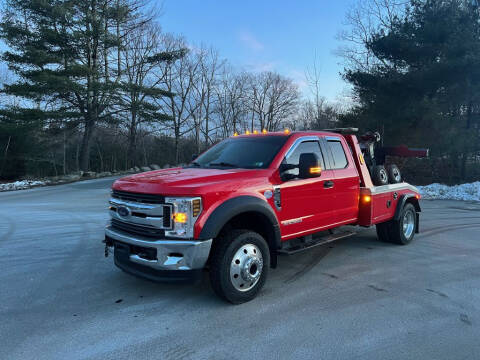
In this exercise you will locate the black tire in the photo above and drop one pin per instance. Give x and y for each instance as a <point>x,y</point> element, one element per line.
<point>394,232</point>
<point>394,175</point>
<point>379,175</point>
<point>221,261</point>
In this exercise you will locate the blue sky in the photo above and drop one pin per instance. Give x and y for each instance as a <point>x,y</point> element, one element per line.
<point>280,35</point>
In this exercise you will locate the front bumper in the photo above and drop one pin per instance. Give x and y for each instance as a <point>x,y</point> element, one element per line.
<point>160,259</point>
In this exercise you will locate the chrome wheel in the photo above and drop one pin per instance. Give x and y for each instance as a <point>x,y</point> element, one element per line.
<point>396,175</point>
<point>384,176</point>
<point>408,223</point>
<point>246,267</point>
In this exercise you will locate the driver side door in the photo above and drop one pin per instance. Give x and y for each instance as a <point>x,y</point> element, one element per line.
<point>307,205</point>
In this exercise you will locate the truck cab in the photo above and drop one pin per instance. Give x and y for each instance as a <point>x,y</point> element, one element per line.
<point>246,200</point>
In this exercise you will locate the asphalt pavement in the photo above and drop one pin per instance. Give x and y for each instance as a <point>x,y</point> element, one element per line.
<point>355,298</point>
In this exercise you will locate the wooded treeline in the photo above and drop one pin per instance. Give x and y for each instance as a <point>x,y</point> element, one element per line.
<point>415,70</point>
<point>96,85</point>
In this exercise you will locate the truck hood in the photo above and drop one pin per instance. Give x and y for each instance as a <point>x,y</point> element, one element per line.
<point>186,181</point>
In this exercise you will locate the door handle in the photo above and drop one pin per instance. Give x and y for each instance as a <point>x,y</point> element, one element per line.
<point>328,184</point>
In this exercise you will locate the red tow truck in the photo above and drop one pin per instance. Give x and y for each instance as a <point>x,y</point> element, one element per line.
<point>249,198</point>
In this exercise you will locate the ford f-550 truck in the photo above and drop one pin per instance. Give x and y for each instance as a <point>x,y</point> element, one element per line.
<point>246,200</point>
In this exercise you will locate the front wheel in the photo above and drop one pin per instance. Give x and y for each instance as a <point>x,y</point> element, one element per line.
<point>239,265</point>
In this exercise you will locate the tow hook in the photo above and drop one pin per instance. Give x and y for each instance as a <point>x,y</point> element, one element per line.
<point>108,243</point>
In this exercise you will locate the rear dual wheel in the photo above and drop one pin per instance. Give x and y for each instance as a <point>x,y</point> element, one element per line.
<point>399,231</point>
<point>239,265</point>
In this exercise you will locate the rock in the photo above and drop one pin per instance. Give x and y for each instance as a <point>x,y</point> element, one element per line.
<point>155,167</point>
<point>89,174</point>
<point>166,166</point>
<point>136,169</point>
<point>104,174</point>
<point>145,168</point>
<point>71,177</point>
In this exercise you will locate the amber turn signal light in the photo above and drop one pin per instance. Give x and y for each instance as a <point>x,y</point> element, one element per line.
<point>315,170</point>
<point>367,198</point>
<point>196,207</point>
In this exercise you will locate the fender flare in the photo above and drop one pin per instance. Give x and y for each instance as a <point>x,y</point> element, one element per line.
<point>401,203</point>
<point>236,206</point>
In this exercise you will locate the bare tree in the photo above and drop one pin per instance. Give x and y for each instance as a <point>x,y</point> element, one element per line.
<point>363,19</point>
<point>231,104</point>
<point>272,99</point>
<point>141,55</point>
<point>202,101</point>
<point>179,79</point>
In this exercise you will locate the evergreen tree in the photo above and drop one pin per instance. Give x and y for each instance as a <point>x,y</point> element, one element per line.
<point>67,55</point>
<point>425,89</point>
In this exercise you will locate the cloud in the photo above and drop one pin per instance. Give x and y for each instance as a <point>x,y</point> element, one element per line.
<point>261,66</point>
<point>250,41</point>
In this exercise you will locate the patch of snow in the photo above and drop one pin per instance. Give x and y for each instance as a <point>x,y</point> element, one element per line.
<point>22,184</point>
<point>466,192</point>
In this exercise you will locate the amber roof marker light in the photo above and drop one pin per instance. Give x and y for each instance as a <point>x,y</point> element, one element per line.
<point>286,131</point>
<point>264,131</point>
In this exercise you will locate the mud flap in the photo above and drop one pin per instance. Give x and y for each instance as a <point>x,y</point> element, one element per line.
<point>417,227</point>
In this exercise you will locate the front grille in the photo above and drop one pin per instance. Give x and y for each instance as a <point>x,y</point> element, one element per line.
<point>143,230</point>
<point>137,197</point>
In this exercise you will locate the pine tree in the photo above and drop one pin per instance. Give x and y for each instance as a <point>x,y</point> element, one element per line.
<point>67,56</point>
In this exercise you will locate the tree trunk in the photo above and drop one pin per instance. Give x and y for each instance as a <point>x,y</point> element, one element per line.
<point>132,143</point>
<point>177,136</point>
<point>85,146</point>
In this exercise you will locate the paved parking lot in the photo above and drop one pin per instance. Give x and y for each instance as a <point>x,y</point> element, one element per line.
<point>357,298</point>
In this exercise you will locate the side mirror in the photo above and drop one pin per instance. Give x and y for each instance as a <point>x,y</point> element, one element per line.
<point>309,166</point>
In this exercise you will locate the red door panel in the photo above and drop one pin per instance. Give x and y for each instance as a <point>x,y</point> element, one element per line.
<point>306,205</point>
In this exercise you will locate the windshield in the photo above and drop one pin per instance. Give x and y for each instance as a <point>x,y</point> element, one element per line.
<point>249,153</point>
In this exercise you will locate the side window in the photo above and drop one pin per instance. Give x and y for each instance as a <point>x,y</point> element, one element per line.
<point>304,147</point>
<point>339,158</point>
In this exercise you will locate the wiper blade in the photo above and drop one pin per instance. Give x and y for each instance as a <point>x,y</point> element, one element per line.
<point>223,164</point>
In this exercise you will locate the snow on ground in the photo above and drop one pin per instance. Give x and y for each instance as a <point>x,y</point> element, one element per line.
<point>469,191</point>
<point>20,185</point>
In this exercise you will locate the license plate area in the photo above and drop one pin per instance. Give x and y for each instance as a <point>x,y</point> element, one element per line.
<point>125,250</point>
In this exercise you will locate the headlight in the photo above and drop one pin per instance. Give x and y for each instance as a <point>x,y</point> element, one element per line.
<point>185,211</point>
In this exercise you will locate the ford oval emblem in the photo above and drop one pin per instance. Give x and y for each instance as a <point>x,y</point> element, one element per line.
<point>124,211</point>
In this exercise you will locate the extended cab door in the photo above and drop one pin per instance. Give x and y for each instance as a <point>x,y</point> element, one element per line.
<point>347,181</point>
<point>307,205</point>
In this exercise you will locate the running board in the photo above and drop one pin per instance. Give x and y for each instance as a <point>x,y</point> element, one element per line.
<point>316,242</point>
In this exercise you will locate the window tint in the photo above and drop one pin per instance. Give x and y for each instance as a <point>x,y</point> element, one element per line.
<point>339,158</point>
<point>243,152</point>
<point>304,147</point>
